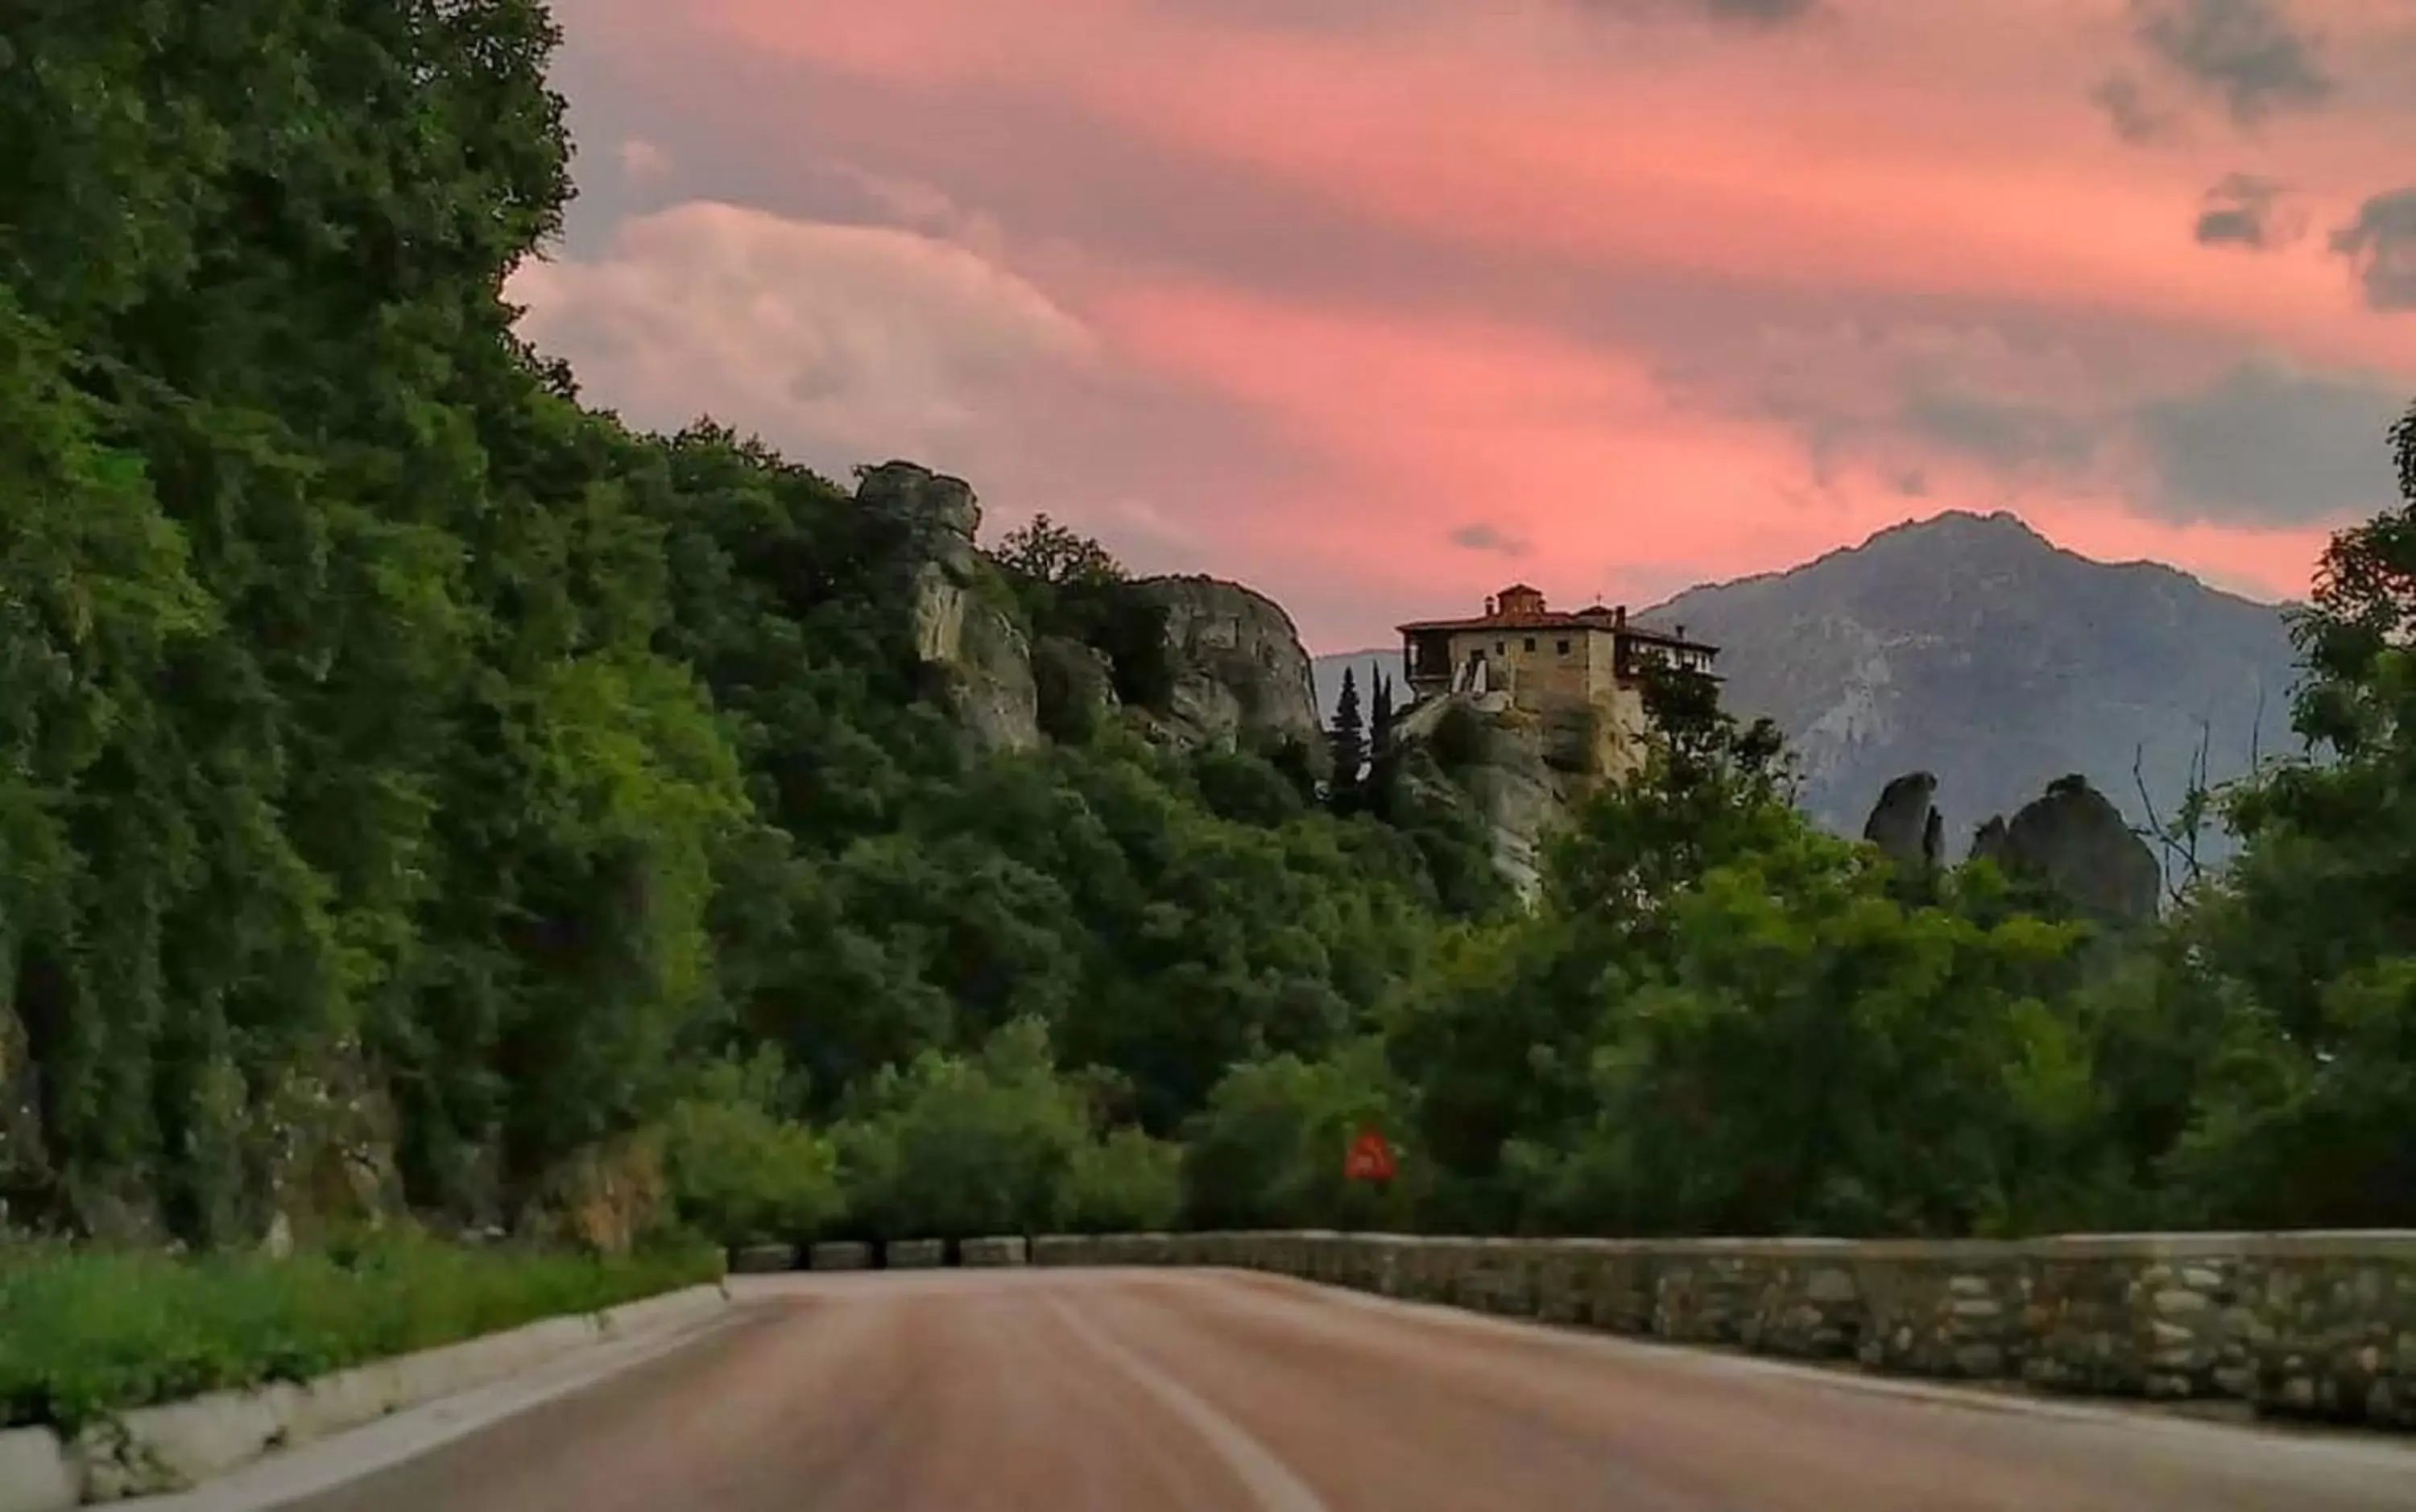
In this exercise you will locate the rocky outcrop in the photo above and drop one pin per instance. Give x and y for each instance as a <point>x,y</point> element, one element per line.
<point>1077,688</point>
<point>2077,843</point>
<point>1241,674</point>
<point>1519,774</point>
<point>960,628</point>
<point>1906,825</point>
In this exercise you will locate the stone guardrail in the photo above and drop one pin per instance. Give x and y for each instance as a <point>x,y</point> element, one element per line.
<point>914,1254</point>
<point>2310,1325</point>
<point>1010,1251</point>
<point>180,1445</point>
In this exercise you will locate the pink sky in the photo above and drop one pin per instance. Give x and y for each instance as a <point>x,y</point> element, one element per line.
<point>1377,305</point>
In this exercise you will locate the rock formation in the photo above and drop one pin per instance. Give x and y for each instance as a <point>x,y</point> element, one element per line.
<point>2076,842</point>
<point>1906,825</point>
<point>1241,674</point>
<point>973,641</point>
<point>1076,686</point>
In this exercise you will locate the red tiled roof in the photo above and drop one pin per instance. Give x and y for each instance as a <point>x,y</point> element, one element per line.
<point>1591,619</point>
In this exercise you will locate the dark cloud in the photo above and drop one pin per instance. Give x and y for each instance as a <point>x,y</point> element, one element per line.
<point>1733,12</point>
<point>1479,536</point>
<point>2251,54</point>
<point>2381,242</point>
<point>2010,433</point>
<point>2136,119</point>
<point>1757,12</point>
<point>2244,210</point>
<point>2271,444</point>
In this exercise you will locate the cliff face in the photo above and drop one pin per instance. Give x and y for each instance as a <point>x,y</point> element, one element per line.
<point>970,637</point>
<point>1241,674</point>
<point>1520,774</point>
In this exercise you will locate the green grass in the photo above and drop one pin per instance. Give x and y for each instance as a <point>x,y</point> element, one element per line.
<point>85,1333</point>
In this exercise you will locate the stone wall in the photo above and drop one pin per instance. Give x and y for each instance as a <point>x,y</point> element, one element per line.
<point>2318,1325</point>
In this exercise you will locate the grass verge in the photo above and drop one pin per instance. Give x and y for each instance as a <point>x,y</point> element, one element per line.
<point>85,1334</point>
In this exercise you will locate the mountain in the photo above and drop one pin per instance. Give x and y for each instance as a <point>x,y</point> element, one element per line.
<point>1972,647</point>
<point>1326,672</point>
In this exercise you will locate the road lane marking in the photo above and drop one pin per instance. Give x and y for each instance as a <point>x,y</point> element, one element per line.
<point>1270,1482</point>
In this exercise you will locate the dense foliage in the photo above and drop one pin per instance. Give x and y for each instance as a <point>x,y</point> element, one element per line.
<point>403,757</point>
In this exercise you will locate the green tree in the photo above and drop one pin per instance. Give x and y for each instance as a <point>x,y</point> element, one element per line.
<point>1268,1149</point>
<point>1048,552</point>
<point>2300,949</point>
<point>1349,736</point>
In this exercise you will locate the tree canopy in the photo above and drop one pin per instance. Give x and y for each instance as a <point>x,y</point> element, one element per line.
<point>409,765</point>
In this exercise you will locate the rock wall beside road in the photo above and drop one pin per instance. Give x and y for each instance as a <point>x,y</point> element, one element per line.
<point>2311,1325</point>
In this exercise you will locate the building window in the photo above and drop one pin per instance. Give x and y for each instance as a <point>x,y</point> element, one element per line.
<point>1530,643</point>
<point>1500,647</point>
<point>1562,647</point>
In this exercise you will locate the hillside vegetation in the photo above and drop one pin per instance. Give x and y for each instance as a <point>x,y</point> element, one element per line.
<point>422,792</point>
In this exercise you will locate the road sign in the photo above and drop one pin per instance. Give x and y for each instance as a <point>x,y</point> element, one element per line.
<point>1371,1158</point>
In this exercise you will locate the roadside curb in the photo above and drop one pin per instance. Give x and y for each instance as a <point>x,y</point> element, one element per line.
<point>181,1445</point>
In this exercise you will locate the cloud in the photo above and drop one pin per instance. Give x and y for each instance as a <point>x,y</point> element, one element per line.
<point>2251,54</point>
<point>1479,536</point>
<point>2244,210</point>
<point>642,162</point>
<point>2381,242</point>
<point>1364,265</point>
<point>1737,12</point>
<point>2270,443</point>
<point>848,341</point>
<point>2011,433</point>
<point>2136,118</point>
<point>1764,11</point>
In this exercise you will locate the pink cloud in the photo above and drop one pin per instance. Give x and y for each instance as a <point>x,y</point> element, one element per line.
<point>1860,155</point>
<point>831,338</point>
<point>1901,205</point>
<point>1579,453</point>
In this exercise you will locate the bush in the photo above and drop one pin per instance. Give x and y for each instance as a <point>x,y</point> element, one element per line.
<point>953,1147</point>
<point>741,1176</point>
<point>1268,1152</point>
<point>1127,1183</point>
<point>85,1334</point>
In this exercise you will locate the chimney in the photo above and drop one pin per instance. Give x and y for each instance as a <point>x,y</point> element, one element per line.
<point>1619,616</point>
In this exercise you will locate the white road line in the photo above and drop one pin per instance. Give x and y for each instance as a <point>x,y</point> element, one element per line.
<point>1268,1479</point>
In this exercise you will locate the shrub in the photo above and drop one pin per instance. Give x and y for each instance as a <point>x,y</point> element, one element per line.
<point>741,1176</point>
<point>954,1146</point>
<point>1127,1183</point>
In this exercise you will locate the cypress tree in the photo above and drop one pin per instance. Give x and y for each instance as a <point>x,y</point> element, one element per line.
<point>1349,734</point>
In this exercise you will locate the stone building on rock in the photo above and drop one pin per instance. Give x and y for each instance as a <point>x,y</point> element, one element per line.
<point>1576,674</point>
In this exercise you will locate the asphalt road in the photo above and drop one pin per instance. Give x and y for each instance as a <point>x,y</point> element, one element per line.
<point>1136,1391</point>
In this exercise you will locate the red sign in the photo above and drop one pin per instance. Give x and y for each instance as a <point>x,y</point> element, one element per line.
<point>1371,1158</point>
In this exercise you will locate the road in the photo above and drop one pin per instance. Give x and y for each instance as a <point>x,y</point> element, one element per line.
<point>1172,1391</point>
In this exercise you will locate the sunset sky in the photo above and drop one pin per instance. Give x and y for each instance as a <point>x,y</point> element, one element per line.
<point>1378,304</point>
